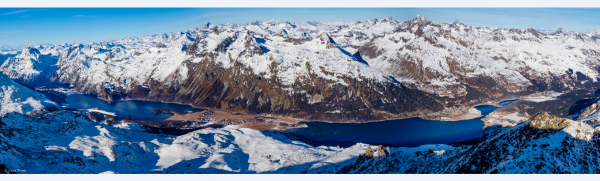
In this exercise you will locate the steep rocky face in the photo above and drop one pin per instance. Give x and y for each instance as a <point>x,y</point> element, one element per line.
<point>378,69</point>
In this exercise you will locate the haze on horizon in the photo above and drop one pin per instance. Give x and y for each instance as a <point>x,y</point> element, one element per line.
<point>25,26</point>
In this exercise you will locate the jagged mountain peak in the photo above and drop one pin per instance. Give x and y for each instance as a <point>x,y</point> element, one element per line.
<point>559,31</point>
<point>456,23</point>
<point>386,19</point>
<point>420,18</point>
<point>30,50</point>
<point>209,25</point>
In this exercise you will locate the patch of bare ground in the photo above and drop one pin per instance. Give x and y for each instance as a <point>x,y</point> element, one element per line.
<point>260,122</point>
<point>504,119</point>
<point>456,114</point>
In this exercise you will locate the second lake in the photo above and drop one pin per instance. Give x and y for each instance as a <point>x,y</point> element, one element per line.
<point>401,132</point>
<point>139,110</point>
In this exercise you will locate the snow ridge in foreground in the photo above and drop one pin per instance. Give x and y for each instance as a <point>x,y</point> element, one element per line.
<point>20,99</point>
<point>67,142</point>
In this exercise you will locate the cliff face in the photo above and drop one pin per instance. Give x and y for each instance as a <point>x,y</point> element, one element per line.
<point>356,71</point>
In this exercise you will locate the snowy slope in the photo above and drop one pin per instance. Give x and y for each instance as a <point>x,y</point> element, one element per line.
<point>20,99</point>
<point>443,58</point>
<point>68,142</point>
<point>29,66</point>
<point>5,55</point>
<point>130,62</point>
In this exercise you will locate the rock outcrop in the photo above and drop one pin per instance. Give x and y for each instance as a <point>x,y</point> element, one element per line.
<point>546,121</point>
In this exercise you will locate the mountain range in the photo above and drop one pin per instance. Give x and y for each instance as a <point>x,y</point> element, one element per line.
<point>336,71</point>
<point>379,69</point>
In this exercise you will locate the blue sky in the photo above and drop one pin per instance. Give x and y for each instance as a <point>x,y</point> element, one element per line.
<point>21,26</point>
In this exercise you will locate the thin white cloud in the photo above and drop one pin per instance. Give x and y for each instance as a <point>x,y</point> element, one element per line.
<point>6,32</point>
<point>83,16</point>
<point>16,12</point>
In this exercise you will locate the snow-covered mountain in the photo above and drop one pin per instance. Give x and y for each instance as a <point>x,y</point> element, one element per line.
<point>372,70</point>
<point>29,67</point>
<point>451,59</point>
<point>16,98</point>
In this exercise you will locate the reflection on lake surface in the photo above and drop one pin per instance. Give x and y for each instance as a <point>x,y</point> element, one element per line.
<point>401,132</point>
<point>139,110</point>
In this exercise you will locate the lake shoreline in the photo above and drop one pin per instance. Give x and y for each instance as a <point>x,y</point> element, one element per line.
<point>398,132</point>
<point>495,103</point>
<point>265,122</point>
<point>457,117</point>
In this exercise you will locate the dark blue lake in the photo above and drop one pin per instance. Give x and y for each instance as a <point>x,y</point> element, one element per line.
<point>401,132</point>
<point>140,110</point>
